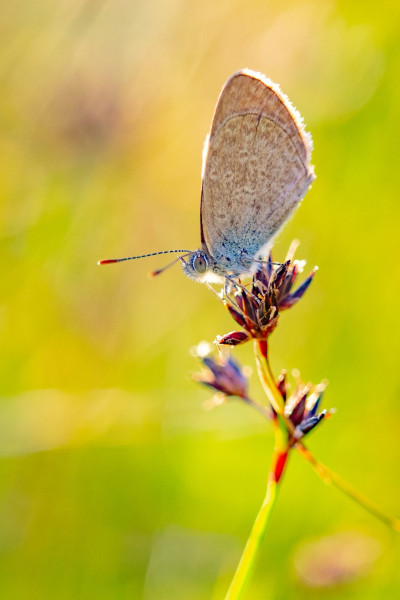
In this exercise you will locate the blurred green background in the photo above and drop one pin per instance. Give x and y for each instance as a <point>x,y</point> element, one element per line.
<point>115,483</point>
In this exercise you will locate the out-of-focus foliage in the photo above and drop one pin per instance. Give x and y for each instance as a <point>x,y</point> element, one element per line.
<point>114,482</point>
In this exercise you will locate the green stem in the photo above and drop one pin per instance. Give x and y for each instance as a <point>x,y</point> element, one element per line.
<point>247,562</point>
<point>328,476</point>
<point>267,381</point>
<point>331,478</point>
<point>263,410</point>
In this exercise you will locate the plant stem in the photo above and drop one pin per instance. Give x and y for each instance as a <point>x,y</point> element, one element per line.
<point>247,562</point>
<point>263,410</point>
<point>267,380</point>
<point>331,478</point>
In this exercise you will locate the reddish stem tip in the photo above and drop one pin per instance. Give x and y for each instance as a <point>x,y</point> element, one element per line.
<point>280,465</point>
<point>263,346</point>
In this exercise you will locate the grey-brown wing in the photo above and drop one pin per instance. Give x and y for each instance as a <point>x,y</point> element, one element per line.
<point>256,170</point>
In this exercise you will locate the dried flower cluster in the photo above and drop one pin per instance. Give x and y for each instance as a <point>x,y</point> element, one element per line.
<point>257,311</point>
<point>301,406</point>
<point>224,375</point>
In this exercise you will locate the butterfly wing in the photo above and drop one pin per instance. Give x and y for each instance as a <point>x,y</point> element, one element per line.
<point>256,169</point>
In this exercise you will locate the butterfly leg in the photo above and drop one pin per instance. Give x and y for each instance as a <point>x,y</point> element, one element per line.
<point>236,284</point>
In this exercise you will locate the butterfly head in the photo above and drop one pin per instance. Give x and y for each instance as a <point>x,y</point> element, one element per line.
<point>198,266</point>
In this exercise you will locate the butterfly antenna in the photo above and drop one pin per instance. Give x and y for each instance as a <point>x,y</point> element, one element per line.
<point>159,271</point>
<point>109,261</point>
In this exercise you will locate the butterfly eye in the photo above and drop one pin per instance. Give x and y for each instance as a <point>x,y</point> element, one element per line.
<point>200,263</point>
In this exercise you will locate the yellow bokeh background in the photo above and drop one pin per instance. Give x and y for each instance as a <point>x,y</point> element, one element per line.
<point>114,480</point>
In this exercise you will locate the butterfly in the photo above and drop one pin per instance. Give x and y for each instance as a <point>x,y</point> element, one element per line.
<point>256,169</point>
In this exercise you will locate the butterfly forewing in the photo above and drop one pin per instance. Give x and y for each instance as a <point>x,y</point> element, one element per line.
<point>257,169</point>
